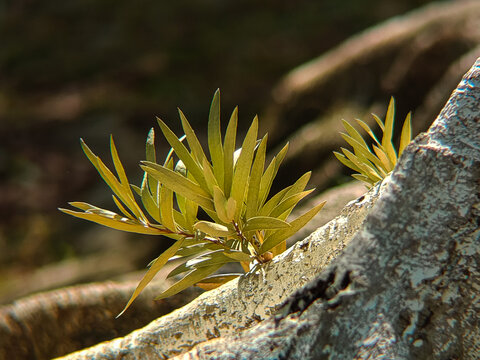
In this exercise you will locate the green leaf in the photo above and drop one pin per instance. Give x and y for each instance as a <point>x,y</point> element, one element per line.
<point>278,236</point>
<point>154,269</point>
<point>119,168</point>
<point>220,205</point>
<point>383,157</point>
<point>365,153</point>
<point>184,155</point>
<point>299,185</point>
<point>388,132</point>
<point>190,279</point>
<point>115,221</point>
<point>264,223</point>
<point>238,255</point>
<point>243,166</point>
<point>122,208</point>
<point>368,130</point>
<point>192,139</point>
<point>150,204</point>
<point>406,135</point>
<point>269,175</point>
<point>228,150</point>
<point>354,133</point>
<point>255,179</point>
<point>209,176</point>
<point>213,229</point>
<point>179,184</point>
<point>288,203</point>
<point>379,122</point>
<point>166,209</point>
<point>215,138</point>
<point>343,159</point>
<point>272,202</point>
<point>124,195</point>
<point>150,154</point>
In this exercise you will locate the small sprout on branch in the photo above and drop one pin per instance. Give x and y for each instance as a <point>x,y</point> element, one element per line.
<point>373,166</point>
<point>246,224</point>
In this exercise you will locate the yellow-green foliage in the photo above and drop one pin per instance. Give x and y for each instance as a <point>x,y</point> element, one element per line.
<point>246,224</point>
<point>373,166</point>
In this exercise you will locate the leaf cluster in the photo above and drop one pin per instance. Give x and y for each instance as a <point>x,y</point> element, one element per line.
<point>373,166</point>
<point>245,223</point>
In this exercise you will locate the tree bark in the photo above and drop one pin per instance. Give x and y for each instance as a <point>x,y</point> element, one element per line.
<point>241,303</point>
<point>407,286</point>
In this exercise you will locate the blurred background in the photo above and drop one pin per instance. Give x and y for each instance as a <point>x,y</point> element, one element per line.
<point>82,68</point>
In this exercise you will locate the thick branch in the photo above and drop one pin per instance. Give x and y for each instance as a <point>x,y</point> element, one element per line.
<point>407,285</point>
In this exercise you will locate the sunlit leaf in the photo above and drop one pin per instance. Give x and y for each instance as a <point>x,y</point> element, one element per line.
<point>192,139</point>
<point>406,135</point>
<point>220,205</point>
<point>278,236</point>
<point>255,179</point>
<point>190,279</point>
<point>115,222</point>
<point>288,203</point>
<point>179,184</point>
<point>265,223</point>
<point>215,138</point>
<point>228,150</point>
<point>243,166</point>
<point>184,155</point>
<point>269,175</point>
<point>154,269</point>
<point>388,132</point>
<point>212,229</point>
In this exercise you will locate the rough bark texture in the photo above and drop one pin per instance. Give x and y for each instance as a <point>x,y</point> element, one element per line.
<point>241,304</point>
<point>408,285</point>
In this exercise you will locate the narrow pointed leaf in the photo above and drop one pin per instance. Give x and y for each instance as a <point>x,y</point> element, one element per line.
<point>220,205</point>
<point>363,151</point>
<point>388,132</point>
<point>273,202</point>
<point>353,133</point>
<point>269,175</point>
<point>184,155</point>
<point>343,159</point>
<point>119,167</point>
<point>228,150</point>
<point>299,185</point>
<point>213,229</point>
<point>116,222</point>
<point>190,279</point>
<point>288,204</point>
<point>368,130</point>
<point>265,223</point>
<point>215,138</point>
<point>295,225</point>
<point>243,166</point>
<point>255,179</point>
<point>406,135</point>
<point>192,139</point>
<point>179,184</point>
<point>166,208</point>
<point>122,208</point>
<point>154,269</point>
<point>379,122</point>
<point>382,155</point>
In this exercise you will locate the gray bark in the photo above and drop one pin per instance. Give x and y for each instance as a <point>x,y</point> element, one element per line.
<point>243,302</point>
<point>408,285</point>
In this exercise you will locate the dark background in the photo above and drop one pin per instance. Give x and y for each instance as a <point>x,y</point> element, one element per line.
<point>83,68</point>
